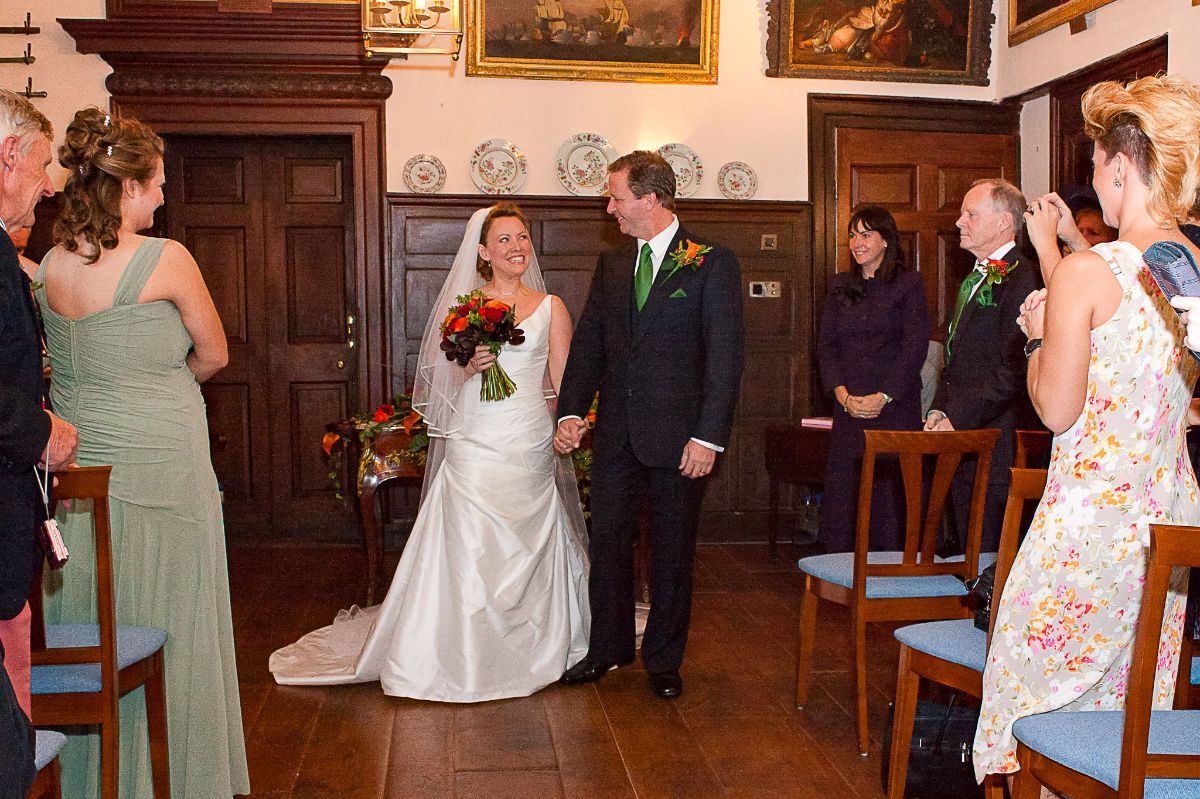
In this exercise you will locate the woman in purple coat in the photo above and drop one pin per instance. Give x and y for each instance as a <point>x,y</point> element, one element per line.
<point>873,340</point>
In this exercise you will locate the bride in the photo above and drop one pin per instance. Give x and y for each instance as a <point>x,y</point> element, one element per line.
<point>490,597</point>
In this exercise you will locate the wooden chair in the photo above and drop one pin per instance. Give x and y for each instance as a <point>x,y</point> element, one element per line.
<point>48,783</point>
<point>1127,753</point>
<point>953,652</point>
<point>1033,449</point>
<point>796,456</point>
<point>80,671</point>
<point>912,585</point>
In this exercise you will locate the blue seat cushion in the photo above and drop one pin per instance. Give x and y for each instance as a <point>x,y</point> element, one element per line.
<point>1090,742</point>
<point>838,568</point>
<point>133,644</point>
<point>955,640</point>
<point>49,744</point>
<point>1196,670</point>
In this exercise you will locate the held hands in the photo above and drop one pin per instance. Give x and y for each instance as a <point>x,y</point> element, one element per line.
<point>939,422</point>
<point>569,435</point>
<point>480,361</point>
<point>1032,320</point>
<point>1190,316</point>
<point>697,460</point>
<point>62,445</point>
<point>868,407</point>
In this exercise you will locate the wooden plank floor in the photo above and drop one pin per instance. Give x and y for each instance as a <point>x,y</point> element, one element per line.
<point>733,733</point>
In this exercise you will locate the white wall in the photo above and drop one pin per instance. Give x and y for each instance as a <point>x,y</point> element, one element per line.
<point>747,116</point>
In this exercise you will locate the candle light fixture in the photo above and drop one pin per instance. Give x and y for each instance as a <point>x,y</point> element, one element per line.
<point>412,26</point>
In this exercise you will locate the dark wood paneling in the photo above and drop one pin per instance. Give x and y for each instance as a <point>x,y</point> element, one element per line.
<point>1070,148</point>
<point>569,234</point>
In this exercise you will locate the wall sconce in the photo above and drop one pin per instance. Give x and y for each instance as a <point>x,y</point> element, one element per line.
<point>412,26</point>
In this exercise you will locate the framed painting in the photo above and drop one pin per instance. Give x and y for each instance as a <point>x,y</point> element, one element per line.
<point>913,41</point>
<point>1028,18</point>
<point>650,41</point>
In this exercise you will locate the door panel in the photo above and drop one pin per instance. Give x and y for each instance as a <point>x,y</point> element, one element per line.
<point>269,223</point>
<point>921,177</point>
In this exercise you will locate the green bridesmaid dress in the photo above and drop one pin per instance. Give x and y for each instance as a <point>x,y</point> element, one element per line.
<point>120,377</point>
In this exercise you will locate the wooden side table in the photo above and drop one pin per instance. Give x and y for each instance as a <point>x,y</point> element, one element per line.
<point>386,458</point>
<point>794,455</point>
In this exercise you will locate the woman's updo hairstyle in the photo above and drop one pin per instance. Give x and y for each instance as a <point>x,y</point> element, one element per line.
<point>1156,122</point>
<point>499,211</point>
<point>100,151</point>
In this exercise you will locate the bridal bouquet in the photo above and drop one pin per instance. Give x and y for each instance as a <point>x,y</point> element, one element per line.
<point>476,320</point>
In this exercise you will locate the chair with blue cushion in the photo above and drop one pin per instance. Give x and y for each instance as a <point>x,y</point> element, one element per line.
<point>1132,753</point>
<point>80,671</point>
<point>953,652</point>
<point>47,784</point>
<point>912,585</point>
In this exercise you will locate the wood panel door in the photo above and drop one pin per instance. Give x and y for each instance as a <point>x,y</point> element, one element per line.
<point>921,177</point>
<point>270,221</point>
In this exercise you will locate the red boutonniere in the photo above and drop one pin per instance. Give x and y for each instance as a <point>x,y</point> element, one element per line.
<point>994,273</point>
<point>688,254</point>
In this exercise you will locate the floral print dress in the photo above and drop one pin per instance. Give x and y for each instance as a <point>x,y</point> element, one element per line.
<point>1065,625</point>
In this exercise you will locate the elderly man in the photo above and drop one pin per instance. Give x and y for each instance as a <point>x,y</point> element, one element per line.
<point>30,435</point>
<point>983,382</point>
<point>661,339</point>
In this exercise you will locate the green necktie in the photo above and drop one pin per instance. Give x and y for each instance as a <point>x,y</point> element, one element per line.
<point>643,279</point>
<point>964,294</point>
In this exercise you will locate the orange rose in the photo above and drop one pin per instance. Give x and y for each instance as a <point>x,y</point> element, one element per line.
<point>327,442</point>
<point>460,324</point>
<point>411,421</point>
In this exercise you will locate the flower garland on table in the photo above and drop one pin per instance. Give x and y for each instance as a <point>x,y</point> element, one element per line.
<point>395,415</point>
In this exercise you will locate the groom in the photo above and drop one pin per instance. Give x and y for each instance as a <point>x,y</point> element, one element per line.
<point>661,339</point>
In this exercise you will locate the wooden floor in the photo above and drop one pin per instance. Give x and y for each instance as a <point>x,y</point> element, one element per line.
<point>733,733</point>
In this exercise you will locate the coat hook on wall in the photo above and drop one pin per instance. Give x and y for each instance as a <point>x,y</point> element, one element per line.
<point>29,92</point>
<point>21,59</point>
<point>24,30</point>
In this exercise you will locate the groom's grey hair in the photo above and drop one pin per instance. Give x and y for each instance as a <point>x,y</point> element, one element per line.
<point>648,172</point>
<point>1006,198</point>
<point>20,118</point>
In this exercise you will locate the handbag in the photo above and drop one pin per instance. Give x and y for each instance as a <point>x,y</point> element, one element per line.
<point>979,593</point>
<point>939,760</point>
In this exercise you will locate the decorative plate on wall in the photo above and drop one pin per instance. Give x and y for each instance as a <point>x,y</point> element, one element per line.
<point>737,181</point>
<point>583,163</point>
<point>689,169</point>
<point>425,174</point>
<point>498,167</point>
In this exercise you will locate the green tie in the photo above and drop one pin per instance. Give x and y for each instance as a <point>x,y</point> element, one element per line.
<point>644,278</point>
<point>964,294</point>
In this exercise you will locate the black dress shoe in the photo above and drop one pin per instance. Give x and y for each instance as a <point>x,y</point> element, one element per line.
<point>588,670</point>
<point>666,684</point>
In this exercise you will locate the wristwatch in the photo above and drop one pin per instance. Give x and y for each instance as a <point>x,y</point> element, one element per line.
<point>1031,346</point>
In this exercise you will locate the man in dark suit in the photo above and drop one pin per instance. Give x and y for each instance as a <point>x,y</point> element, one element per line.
<point>29,435</point>
<point>983,382</point>
<point>661,339</point>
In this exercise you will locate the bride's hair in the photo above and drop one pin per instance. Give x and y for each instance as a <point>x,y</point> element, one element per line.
<point>100,152</point>
<point>1156,122</point>
<point>499,211</point>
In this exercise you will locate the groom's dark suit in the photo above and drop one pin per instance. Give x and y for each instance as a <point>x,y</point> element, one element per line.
<point>983,386</point>
<point>666,374</point>
<point>24,431</point>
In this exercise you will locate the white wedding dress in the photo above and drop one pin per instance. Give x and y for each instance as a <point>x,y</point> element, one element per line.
<point>490,597</point>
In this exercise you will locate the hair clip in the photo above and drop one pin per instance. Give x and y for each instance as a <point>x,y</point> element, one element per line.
<point>106,121</point>
<point>83,170</point>
<point>108,152</point>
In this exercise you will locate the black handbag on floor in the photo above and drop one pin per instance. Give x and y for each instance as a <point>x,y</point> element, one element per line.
<point>979,592</point>
<point>939,760</point>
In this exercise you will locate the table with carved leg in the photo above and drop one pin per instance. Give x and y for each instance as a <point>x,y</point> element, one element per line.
<point>386,458</point>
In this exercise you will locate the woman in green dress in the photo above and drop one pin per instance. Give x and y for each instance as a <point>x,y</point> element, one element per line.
<point>132,332</point>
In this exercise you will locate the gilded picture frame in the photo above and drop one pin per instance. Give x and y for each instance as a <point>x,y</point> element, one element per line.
<point>1029,18</point>
<point>910,41</point>
<point>659,41</point>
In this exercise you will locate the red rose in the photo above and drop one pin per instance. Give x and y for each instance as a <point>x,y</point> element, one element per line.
<point>492,314</point>
<point>383,413</point>
<point>463,310</point>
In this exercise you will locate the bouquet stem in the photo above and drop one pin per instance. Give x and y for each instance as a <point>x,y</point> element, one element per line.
<point>496,385</point>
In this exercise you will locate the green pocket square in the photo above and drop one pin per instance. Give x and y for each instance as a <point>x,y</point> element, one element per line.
<point>678,293</point>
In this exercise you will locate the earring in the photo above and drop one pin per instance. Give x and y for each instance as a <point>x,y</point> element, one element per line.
<point>1117,182</point>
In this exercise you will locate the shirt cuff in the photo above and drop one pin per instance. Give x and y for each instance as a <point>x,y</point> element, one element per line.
<point>713,447</point>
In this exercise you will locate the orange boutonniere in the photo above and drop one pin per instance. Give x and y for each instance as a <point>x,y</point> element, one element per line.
<point>689,254</point>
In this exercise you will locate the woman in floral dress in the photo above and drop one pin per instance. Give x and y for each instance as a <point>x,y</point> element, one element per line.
<point>1112,380</point>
